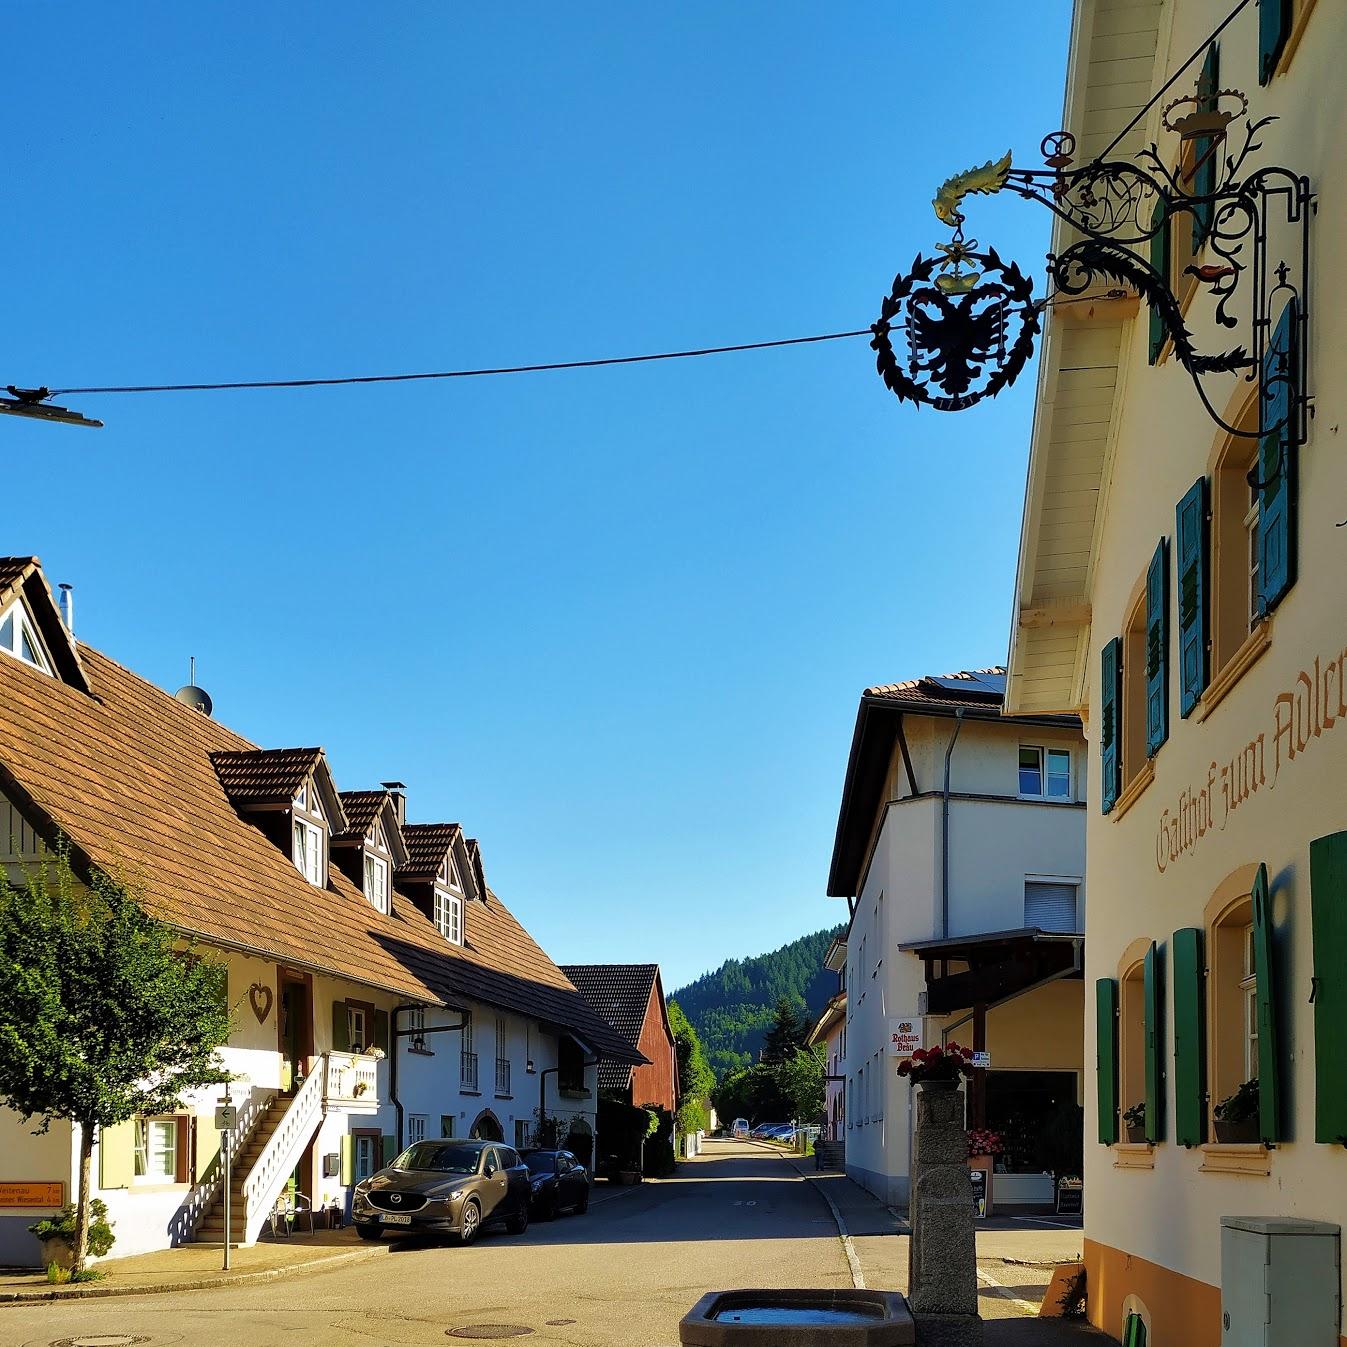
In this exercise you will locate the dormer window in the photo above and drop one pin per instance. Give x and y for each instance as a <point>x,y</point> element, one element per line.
<point>308,854</point>
<point>18,637</point>
<point>449,916</point>
<point>376,882</point>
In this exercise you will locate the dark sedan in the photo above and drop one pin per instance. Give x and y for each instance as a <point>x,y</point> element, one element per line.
<point>559,1181</point>
<point>446,1187</point>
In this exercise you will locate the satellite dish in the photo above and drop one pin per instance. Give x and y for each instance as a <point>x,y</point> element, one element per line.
<point>197,698</point>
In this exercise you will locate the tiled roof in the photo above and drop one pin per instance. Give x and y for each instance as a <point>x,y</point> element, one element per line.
<point>12,571</point>
<point>620,994</point>
<point>128,776</point>
<point>264,775</point>
<point>362,808</point>
<point>426,846</point>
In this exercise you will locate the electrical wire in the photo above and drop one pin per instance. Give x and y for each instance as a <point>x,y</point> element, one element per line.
<point>462,373</point>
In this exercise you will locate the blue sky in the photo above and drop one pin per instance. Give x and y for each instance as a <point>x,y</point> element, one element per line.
<point>615,622</point>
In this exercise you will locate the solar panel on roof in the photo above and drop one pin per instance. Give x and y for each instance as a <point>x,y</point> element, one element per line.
<point>976,685</point>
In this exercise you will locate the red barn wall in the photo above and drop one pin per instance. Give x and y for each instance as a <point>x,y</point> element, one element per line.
<point>655,1084</point>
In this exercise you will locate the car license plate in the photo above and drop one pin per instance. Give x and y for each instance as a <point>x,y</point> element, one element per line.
<point>396,1218</point>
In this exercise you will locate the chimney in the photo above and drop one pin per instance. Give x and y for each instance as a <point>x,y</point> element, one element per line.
<point>399,791</point>
<point>68,607</point>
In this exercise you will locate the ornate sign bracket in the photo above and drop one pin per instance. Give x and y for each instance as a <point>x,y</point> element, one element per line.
<point>970,329</point>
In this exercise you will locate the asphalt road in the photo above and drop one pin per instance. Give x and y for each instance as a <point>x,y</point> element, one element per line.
<point>624,1273</point>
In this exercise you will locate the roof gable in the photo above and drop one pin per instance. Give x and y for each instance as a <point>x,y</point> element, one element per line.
<point>371,815</point>
<point>22,581</point>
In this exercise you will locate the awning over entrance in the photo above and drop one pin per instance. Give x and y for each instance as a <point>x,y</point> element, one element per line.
<point>994,967</point>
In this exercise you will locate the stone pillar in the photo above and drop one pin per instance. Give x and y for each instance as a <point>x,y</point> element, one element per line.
<point>942,1257</point>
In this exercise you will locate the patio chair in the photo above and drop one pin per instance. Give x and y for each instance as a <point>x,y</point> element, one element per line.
<point>290,1209</point>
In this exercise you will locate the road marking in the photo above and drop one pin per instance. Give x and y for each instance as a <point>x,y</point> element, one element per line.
<point>1045,1220</point>
<point>1006,1293</point>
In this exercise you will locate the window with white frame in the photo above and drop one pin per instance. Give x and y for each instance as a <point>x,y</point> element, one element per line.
<point>449,916</point>
<point>1248,987</point>
<point>416,1127</point>
<point>376,882</point>
<point>357,1028</point>
<point>309,851</point>
<point>502,1055</point>
<point>1045,774</point>
<point>18,637</point>
<point>156,1150</point>
<point>416,1030</point>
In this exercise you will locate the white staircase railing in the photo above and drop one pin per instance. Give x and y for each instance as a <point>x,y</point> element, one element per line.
<point>283,1151</point>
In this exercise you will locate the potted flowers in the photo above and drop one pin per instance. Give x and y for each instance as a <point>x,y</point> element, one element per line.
<point>1134,1120</point>
<point>984,1141</point>
<point>941,1067</point>
<point>56,1234</point>
<point>1236,1116</point>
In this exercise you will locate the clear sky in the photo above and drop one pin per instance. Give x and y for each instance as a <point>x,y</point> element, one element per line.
<point>616,622</point>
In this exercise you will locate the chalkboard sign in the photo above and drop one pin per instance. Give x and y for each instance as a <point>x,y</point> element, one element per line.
<point>1070,1197</point>
<point>979,1177</point>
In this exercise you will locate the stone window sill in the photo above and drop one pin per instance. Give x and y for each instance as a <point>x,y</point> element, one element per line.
<point>504,1096</point>
<point>1133,1155</point>
<point>1223,1157</point>
<point>476,1094</point>
<point>1134,790</point>
<point>1235,668</point>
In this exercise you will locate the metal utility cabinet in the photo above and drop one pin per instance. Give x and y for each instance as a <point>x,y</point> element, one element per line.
<point>1280,1282</point>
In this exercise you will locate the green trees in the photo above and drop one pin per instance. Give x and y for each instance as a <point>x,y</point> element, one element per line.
<point>733,1007</point>
<point>103,1016</point>
<point>787,1034</point>
<point>787,1091</point>
<point>695,1077</point>
<point>800,1081</point>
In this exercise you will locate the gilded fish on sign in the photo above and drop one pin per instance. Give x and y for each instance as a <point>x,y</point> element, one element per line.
<point>991,177</point>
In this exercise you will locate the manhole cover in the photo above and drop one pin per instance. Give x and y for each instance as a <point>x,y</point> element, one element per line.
<point>489,1331</point>
<point>101,1340</point>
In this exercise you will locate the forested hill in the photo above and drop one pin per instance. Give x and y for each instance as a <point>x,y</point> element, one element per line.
<point>732,1007</point>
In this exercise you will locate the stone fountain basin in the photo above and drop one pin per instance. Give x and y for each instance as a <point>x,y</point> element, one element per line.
<point>798,1318</point>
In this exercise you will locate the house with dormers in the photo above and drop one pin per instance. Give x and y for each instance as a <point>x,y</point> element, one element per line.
<point>381,991</point>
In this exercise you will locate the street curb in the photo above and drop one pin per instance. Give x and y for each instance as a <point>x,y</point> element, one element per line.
<point>848,1247</point>
<point>95,1291</point>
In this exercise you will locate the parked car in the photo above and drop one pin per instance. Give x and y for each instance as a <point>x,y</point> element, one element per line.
<point>740,1128</point>
<point>451,1187</point>
<point>763,1129</point>
<point>558,1181</point>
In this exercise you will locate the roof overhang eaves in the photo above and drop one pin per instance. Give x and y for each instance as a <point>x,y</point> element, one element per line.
<point>948,946</point>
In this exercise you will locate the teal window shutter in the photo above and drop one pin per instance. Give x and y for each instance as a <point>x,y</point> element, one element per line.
<point>1277,465</point>
<point>1188,976</point>
<point>1265,993</point>
<point>1153,1012</point>
<point>341,1033</point>
<point>1106,1061</point>
<point>1160,236</point>
<point>1328,901</point>
<point>1274,27</point>
<point>1110,722</point>
<point>1206,149</point>
<point>1157,649</point>
<point>1194,548</point>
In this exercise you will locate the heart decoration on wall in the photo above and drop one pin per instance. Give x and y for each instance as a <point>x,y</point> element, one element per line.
<point>261,998</point>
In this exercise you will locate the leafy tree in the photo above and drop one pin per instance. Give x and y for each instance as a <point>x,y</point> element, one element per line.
<point>103,1014</point>
<point>800,1081</point>
<point>695,1077</point>
<point>787,1034</point>
<point>753,1093</point>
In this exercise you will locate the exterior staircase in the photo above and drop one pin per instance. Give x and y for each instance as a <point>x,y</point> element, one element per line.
<point>211,1228</point>
<point>830,1155</point>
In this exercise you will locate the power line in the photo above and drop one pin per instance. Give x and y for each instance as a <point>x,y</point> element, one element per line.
<point>463,373</point>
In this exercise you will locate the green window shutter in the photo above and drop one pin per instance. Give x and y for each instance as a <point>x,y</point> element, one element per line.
<point>1106,1062</point>
<point>1193,540</point>
<point>1206,149</point>
<point>1154,1024</point>
<point>1277,466</point>
<point>1134,1331</point>
<point>341,1032</point>
<point>1328,899</point>
<point>1188,976</point>
<point>1269,1047</point>
<point>1274,27</point>
<point>346,1162</point>
<point>390,1148</point>
<point>1157,649</point>
<point>381,1031</point>
<point>1160,239</point>
<point>1110,722</point>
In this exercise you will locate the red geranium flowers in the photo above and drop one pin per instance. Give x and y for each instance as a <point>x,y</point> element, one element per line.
<point>950,1063</point>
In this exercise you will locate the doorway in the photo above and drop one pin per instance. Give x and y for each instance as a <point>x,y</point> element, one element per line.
<point>365,1157</point>
<point>294,1026</point>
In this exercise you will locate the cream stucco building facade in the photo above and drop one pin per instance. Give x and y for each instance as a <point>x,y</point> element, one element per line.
<point>960,847</point>
<point>1215,696</point>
